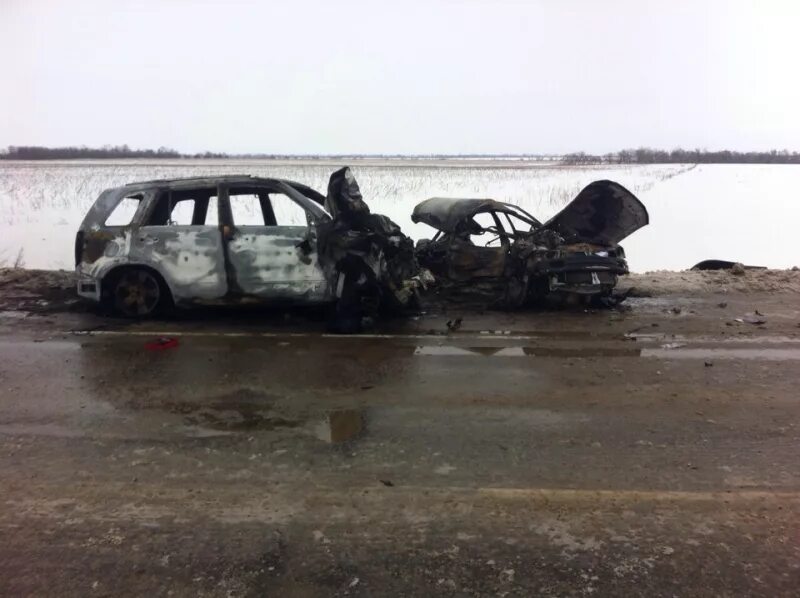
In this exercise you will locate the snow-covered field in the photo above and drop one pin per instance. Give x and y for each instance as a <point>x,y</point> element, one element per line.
<point>747,213</point>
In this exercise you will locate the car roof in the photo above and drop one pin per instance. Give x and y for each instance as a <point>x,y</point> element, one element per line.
<point>209,181</point>
<point>446,213</point>
<point>202,180</point>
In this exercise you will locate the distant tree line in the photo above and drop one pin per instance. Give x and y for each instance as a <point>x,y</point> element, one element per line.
<point>642,155</point>
<point>646,155</point>
<point>35,152</point>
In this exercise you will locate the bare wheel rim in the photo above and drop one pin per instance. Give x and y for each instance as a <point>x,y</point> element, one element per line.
<point>137,293</point>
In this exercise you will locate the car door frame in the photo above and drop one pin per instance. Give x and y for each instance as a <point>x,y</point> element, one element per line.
<point>467,260</point>
<point>273,263</point>
<point>189,257</point>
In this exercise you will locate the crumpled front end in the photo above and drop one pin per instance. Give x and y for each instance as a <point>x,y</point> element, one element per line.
<point>580,269</point>
<point>367,255</point>
<point>572,257</point>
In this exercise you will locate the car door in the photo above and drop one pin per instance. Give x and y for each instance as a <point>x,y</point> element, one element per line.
<point>475,251</point>
<point>180,237</point>
<point>272,244</point>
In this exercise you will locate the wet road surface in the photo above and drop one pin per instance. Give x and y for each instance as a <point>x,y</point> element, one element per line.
<point>642,453</point>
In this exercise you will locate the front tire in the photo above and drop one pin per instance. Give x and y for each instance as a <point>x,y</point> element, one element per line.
<point>360,299</point>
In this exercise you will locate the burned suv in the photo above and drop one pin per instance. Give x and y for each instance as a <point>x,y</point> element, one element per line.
<point>242,239</point>
<point>501,251</point>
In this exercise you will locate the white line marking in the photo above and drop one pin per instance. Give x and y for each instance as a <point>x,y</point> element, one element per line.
<point>195,333</point>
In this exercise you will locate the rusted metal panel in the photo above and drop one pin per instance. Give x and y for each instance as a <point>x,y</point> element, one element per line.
<point>280,262</point>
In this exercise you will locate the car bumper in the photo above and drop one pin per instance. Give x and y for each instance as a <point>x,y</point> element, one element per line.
<point>582,274</point>
<point>88,287</point>
<point>582,283</point>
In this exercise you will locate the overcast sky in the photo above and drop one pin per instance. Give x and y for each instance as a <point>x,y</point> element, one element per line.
<point>402,77</point>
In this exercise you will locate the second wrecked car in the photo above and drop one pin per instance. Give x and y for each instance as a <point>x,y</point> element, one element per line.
<point>501,251</point>
<point>242,239</point>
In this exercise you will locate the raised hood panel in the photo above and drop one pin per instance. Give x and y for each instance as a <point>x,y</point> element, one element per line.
<point>604,213</point>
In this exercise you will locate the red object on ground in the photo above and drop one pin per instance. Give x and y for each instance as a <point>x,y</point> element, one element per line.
<point>161,343</point>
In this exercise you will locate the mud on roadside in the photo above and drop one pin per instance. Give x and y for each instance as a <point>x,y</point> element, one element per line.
<point>39,291</point>
<point>692,283</point>
<point>54,290</point>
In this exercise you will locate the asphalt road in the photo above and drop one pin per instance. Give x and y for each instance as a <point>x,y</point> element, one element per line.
<point>652,452</point>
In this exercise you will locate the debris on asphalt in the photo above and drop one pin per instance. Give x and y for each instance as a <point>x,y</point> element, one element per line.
<point>735,267</point>
<point>673,345</point>
<point>753,318</point>
<point>161,343</point>
<point>453,325</point>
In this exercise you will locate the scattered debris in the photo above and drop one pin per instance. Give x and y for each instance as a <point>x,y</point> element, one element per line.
<point>453,325</point>
<point>507,575</point>
<point>754,318</point>
<point>161,343</point>
<point>673,345</point>
<point>735,267</point>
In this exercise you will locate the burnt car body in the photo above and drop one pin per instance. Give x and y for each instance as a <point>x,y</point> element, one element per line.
<point>227,240</point>
<point>499,249</point>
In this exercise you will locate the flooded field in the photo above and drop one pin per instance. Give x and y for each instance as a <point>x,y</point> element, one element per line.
<point>736,212</point>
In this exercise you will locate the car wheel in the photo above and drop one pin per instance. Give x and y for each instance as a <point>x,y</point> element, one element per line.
<point>359,300</point>
<point>136,293</point>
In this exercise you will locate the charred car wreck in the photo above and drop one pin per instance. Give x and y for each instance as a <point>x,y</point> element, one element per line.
<point>500,251</point>
<point>242,239</point>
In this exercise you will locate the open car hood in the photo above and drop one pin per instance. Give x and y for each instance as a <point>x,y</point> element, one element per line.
<point>603,213</point>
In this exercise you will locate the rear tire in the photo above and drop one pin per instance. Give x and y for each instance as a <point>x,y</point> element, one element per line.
<point>137,293</point>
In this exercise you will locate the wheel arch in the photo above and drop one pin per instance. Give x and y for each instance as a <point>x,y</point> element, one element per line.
<point>115,271</point>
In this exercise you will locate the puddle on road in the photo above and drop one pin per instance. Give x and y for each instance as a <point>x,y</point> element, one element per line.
<point>242,409</point>
<point>450,350</point>
<point>341,426</point>
<point>336,426</point>
<point>669,351</point>
<point>248,410</point>
<point>765,353</point>
<point>13,314</point>
<point>221,416</point>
